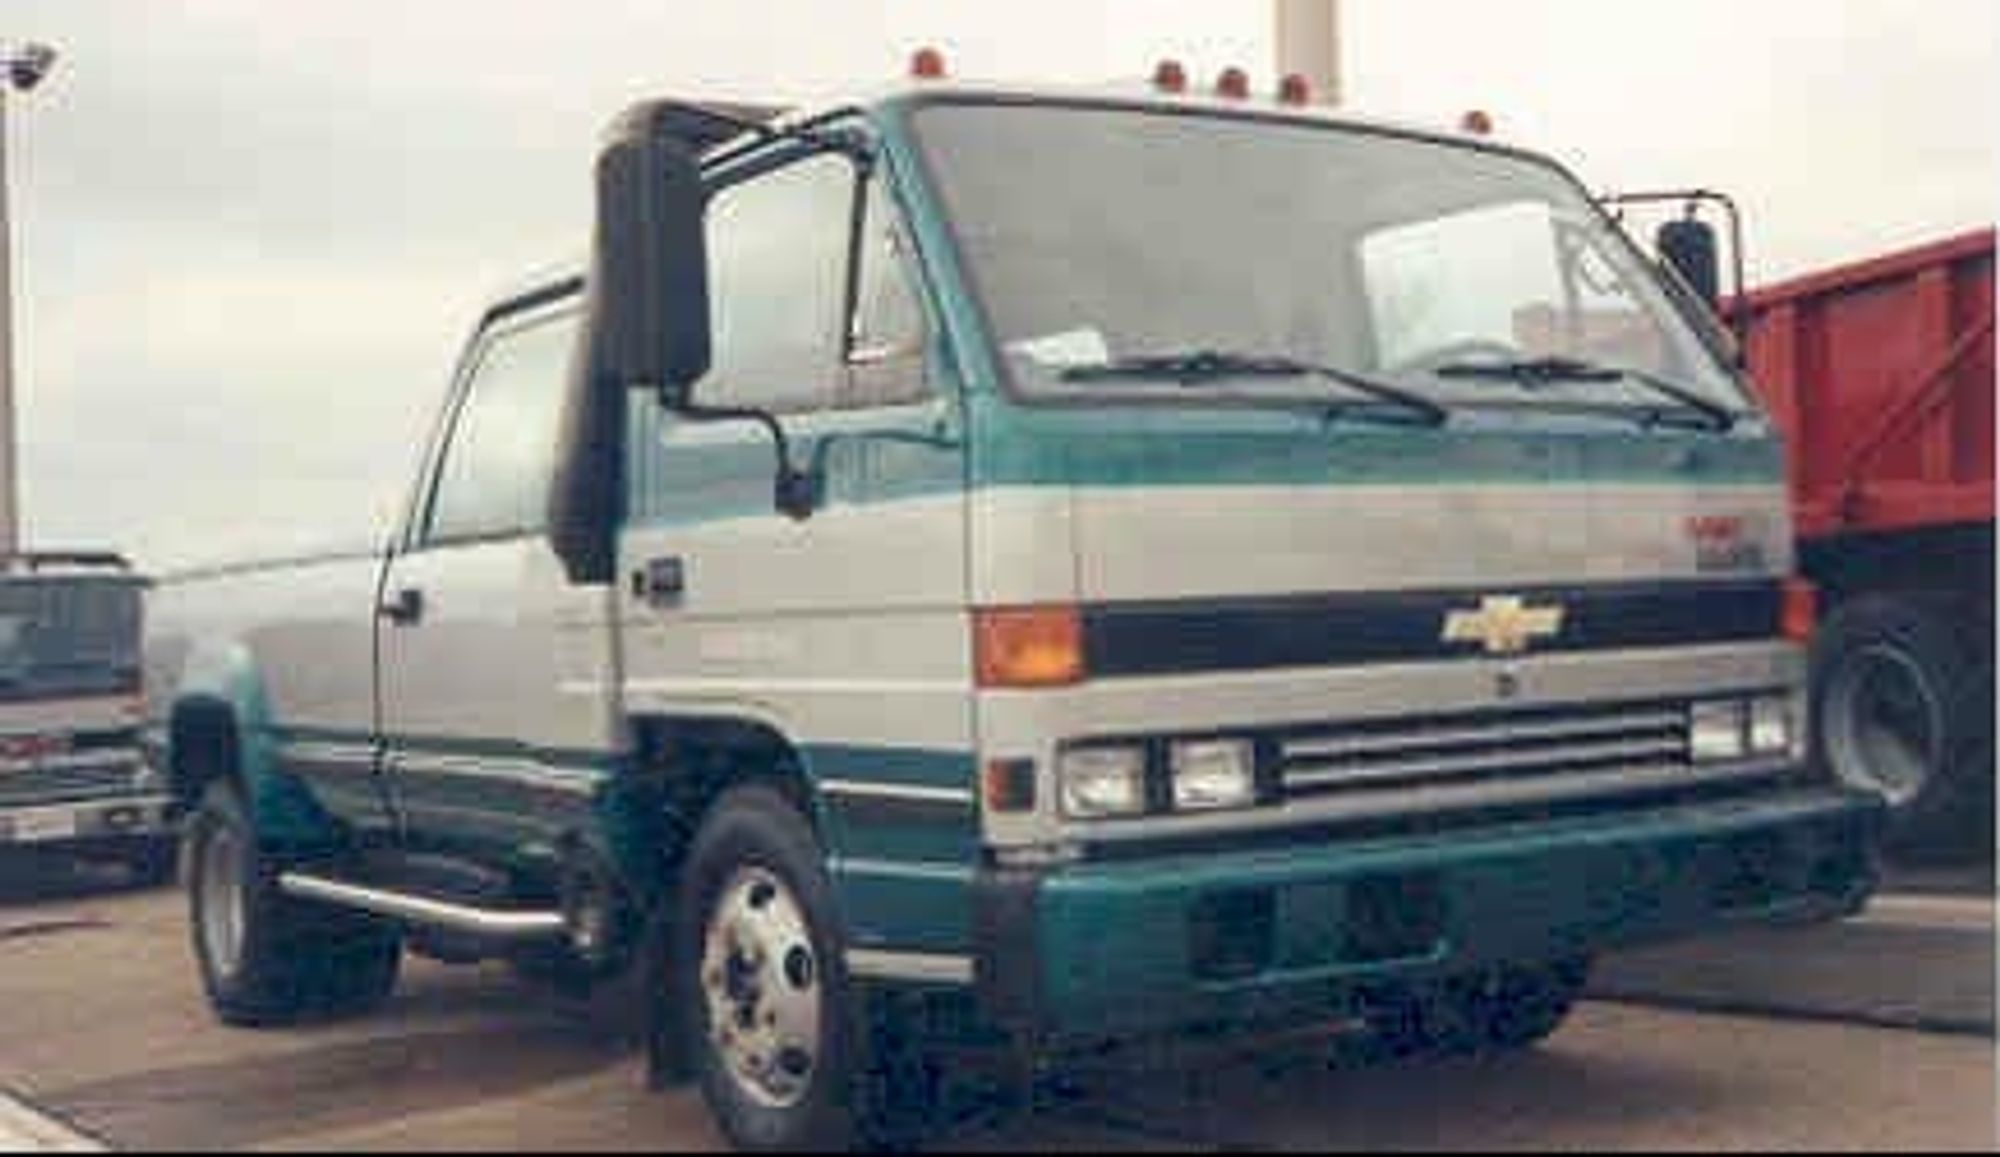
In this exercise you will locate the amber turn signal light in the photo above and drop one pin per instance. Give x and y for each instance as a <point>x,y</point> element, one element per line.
<point>1798,610</point>
<point>1027,646</point>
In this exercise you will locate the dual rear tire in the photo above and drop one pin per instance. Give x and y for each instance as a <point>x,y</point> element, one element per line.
<point>1903,708</point>
<point>267,958</point>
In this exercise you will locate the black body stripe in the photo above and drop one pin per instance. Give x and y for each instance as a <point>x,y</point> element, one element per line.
<point>1160,638</point>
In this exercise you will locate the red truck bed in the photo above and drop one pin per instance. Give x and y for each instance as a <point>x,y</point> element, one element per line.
<point>1881,374</point>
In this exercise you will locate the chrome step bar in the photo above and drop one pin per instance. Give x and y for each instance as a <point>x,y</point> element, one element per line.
<point>485,922</point>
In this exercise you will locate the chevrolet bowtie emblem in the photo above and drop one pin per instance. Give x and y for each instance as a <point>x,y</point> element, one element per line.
<point>1503,624</point>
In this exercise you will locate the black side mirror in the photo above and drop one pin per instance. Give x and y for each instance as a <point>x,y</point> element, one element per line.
<point>645,324</point>
<point>1688,247</point>
<point>648,282</point>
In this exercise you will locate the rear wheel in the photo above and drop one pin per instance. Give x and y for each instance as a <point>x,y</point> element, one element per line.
<point>1904,708</point>
<point>266,958</point>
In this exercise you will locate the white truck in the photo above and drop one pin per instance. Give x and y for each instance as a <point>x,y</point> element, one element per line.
<point>72,778</point>
<point>1004,566</point>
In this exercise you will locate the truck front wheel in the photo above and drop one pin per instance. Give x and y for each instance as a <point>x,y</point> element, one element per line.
<point>763,971</point>
<point>1904,708</point>
<point>266,958</point>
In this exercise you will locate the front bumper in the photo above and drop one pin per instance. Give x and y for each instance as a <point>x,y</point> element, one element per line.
<point>87,821</point>
<point>1139,945</point>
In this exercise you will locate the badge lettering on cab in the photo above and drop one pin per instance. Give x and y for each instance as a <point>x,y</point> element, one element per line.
<point>1726,543</point>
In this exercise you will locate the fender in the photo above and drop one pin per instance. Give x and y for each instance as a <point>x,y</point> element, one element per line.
<point>222,681</point>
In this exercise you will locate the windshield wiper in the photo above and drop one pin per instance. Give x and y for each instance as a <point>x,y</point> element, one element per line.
<point>1200,367</point>
<point>1532,372</point>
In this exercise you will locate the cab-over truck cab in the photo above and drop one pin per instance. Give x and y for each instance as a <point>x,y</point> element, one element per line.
<point>1087,564</point>
<point>71,777</point>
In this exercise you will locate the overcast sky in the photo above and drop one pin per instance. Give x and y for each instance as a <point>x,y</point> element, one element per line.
<point>249,235</point>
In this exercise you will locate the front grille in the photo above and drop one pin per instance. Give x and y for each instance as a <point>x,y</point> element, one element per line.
<point>59,783</point>
<point>1494,757</point>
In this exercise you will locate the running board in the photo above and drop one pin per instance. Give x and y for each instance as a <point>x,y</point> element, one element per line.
<point>483,922</point>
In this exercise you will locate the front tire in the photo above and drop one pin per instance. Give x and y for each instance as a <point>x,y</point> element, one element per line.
<point>764,980</point>
<point>266,958</point>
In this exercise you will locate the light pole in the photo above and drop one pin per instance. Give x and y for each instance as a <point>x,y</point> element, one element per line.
<point>20,68</point>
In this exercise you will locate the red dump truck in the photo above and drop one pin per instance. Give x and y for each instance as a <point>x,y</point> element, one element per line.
<point>1881,373</point>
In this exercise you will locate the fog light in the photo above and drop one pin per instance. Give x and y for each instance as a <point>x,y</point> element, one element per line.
<point>1716,730</point>
<point>1213,773</point>
<point>1771,725</point>
<point>1100,782</point>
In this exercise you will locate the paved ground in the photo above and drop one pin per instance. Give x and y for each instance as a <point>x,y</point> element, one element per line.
<point>101,1024</point>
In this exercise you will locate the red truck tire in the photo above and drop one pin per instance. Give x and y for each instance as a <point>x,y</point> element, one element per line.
<point>1903,705</point>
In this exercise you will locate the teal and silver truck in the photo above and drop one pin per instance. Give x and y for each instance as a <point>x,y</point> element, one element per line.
<point>1035,567</point>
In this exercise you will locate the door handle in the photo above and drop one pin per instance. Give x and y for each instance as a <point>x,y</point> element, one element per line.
<point>407,607</point>
<point>662,582</point>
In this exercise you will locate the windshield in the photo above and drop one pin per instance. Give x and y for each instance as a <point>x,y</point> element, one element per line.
<point>1095,236</point>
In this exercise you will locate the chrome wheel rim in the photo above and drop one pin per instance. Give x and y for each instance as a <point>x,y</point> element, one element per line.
<point>1884,725</point>
<point>761,985</point>
<point>222,899</point>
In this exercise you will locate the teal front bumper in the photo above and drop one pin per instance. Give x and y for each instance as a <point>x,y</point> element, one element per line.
<point>1138,945</point>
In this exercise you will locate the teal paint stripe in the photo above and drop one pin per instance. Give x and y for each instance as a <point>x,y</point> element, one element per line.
<point>900,766</point>
<point>1014,446</point>
<point>1181,446</point>
<point>905,907</point>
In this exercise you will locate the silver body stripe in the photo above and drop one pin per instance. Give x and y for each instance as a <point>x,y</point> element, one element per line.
<point>927,967</point>
<point>848,787</point>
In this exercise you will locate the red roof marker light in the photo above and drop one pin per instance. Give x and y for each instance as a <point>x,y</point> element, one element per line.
<point>1233,84</point>
<point>1295,89</point>
<point>927,64</point>
<point>1169,76</point>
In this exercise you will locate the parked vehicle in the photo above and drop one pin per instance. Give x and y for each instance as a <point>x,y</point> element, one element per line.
<point>1880,373</point>
<point>71,776</point>
<point>952,569</point>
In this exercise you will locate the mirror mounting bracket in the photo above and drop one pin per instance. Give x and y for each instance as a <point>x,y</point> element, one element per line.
<point>794,491</point>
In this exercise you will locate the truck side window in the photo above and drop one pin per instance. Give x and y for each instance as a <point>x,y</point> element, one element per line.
<point>777,248</point>
<point>493,481</point>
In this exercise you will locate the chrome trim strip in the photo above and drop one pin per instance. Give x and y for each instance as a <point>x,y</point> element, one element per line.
<point>109,757</point>
<point>525,772</point>
<point>1318,747</point>
<point>422,910</point>
<point>871,790</point>
<point>928,967</point>
<point>1515,759</point>
<point>326,751</point>
<point>151,809</point>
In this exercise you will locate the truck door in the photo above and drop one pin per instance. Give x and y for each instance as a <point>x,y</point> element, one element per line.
<point>844,629</point>
<point>486,754</point>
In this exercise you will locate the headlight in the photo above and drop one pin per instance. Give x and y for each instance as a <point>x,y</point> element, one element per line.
<point>1716,730</point>
<point>1213,773</point>
<point>1099,782</point>
<point>1772,725</point>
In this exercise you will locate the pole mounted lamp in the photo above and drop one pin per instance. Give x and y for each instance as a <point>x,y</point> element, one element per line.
<point>23,67</point>
<point>27,66</point>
